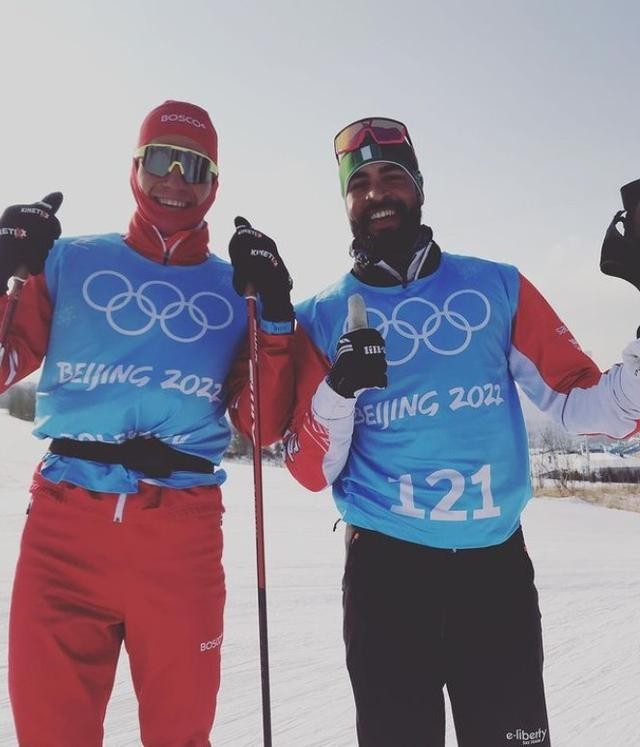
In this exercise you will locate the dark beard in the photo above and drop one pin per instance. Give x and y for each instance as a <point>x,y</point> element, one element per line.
<point>394,245</point>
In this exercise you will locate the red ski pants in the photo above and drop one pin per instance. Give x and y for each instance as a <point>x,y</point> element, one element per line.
<point>96,570</point>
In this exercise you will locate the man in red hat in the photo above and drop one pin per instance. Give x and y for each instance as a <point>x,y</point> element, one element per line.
<point>123,541</point>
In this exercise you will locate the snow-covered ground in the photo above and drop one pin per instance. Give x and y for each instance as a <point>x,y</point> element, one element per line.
<point>588,573</point>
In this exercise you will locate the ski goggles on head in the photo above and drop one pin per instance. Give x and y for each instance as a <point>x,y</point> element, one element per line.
<point>381,130</point>
<point>159,159</point>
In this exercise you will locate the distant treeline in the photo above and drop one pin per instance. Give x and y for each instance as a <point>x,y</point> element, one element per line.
<point>20,400</point>
<point>599,474</point>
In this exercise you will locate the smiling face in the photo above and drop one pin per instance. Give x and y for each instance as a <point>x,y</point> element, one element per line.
<point>383,207</point>
<point>171,191</point>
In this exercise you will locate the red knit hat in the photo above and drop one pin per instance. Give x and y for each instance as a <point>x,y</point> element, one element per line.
<point>180,118</point>
<point>176,118</point>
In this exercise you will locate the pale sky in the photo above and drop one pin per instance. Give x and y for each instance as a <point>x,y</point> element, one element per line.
<point>524,116</point>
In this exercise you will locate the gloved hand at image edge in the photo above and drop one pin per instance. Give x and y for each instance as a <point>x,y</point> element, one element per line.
<point>27,233</point>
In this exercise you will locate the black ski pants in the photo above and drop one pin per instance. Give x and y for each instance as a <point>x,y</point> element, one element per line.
<point>418,618</point>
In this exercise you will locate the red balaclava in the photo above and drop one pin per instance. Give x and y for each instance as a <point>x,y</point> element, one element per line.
<point>184,226</point>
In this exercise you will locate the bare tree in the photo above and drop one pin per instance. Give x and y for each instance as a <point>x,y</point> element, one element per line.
<point>555,459</point>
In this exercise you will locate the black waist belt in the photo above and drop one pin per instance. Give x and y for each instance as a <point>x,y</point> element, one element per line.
<point>152,457</point>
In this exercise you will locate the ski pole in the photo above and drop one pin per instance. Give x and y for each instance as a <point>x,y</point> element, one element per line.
<point>254,396</point>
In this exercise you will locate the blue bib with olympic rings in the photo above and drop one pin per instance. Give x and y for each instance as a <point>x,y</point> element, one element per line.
<point>440,456</point>
<point>136,348</point>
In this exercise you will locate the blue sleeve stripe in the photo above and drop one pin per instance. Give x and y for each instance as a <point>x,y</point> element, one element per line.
<point>277,328</point>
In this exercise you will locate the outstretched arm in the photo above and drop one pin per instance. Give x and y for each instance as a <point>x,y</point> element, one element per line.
<point>562,381</point>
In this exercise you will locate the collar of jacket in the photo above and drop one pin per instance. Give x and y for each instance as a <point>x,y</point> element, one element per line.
<point>188,247</point>
<point>425,260</point>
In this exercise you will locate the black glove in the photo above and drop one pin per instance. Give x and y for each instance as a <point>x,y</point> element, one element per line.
<point>360,363</point>
<point>27,233</point>
<point>620,254</point>
<point>256,262</point>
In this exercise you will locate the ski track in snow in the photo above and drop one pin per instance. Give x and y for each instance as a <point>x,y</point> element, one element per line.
<point>587,562</point>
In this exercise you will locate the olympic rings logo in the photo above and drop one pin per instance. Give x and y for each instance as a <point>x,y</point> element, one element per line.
<point>431,325</point>
<point>148,307</point>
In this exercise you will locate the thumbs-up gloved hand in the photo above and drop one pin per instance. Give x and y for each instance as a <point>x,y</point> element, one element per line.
<point>360,363</point>
<point>27,233</point>
<point>256,263</point>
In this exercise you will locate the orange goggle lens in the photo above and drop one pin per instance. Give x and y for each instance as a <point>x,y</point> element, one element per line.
<point>383,132</point>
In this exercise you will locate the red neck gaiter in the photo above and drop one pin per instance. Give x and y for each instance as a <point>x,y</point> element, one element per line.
<point>159,233</point>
